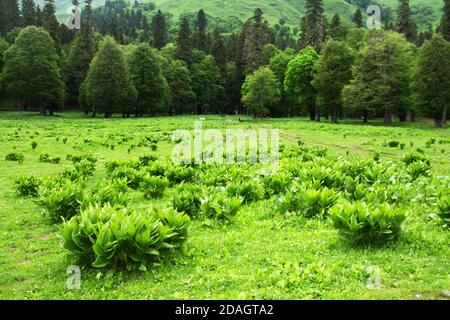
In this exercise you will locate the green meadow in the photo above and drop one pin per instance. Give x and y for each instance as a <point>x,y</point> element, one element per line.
<point>260,252</point>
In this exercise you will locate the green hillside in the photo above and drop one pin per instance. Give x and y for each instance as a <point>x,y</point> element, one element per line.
<point>424,11</point>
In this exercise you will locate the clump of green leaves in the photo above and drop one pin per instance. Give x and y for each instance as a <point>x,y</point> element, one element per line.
<point>61,198</point>
<point>153,187</point>
<point>249,191</point>
<point>443,209</point>
<point>187,199</point>
<point>276,184</point>
<point>45,157</point>
<point>83,157</point>
<point>133,176</point>
<point>28,185</point>
<point>393,144</point>
<point>106,192</point>
<point>414,157</point>
<point>14,156</point>
<point>179,174</point>
<point>111,166</point>
<point>145,160</point>
<point>34,145</point>
<point>417,169</point>
<point>216,205</point>
<point>107,237</point>
<point>359,223</point>
<point>308,202</point>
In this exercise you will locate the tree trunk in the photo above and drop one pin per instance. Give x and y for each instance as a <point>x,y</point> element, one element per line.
<point>42,111</point>
<point>312,114</point>
<point>444,116</point>
<point>387,116</point>
<point>317,115</point>
<point>334,116</point>
<point>365,117</point>
<point>94,114</point>
<point>438,122</point>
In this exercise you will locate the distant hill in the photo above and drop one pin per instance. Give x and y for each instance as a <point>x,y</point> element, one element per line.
<point>424,11</point>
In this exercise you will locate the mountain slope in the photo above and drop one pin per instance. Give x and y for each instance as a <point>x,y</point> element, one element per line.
<point>425,11</point>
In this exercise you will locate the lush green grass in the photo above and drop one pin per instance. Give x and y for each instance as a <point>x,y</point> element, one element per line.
<point>259,255</point>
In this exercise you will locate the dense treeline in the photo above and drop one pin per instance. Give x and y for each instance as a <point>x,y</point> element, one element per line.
<point>127,59</point>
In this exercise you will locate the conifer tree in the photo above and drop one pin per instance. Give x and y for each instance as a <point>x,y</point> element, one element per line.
<point>29,17</point>
<point>314,24</point>
<point>80,55</point>
<point>337,30</point>
<point>51,24</point>
<point>255,38</point>
<point>9,16</point>
<point>432,80</point>
<point>332,73</point>
<point>180,84</point>
<point>200,39</point>
<point>218,49</point>
<point>159,31</point>
<point>108,87</point>
<point>357,18</point>
<point>444,28</point>
<point>149,81</point>
<point>31,72</point>
<point>405,24</point>
<point>381,76</point>
<point>184,42</point>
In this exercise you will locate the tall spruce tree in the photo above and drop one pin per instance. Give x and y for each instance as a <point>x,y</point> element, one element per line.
<point>332,73</point>
<point>255,38</point>
<point>51,24</point>
<point>39,22</point>
<point>184,41</point>
<point>149,81</point>
<point>180,84</point>
<point>31,72</point>
<point>9,16</point>
<point>432,82</point>
<point>80,56</point>
<point>200,39</point>
<point>159,31</point>
<point>108,87</point>
<point>207,83</point>
<point>357,18</point>
<point>218,49</point>
<point>444,28</point>
<point>314,24</point>
<point>381,77</point>
<point>29,17</point>
<point>405,24</point>
<point>337,30</point>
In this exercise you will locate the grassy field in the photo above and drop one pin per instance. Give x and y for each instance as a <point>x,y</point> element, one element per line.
<point>260,254</point>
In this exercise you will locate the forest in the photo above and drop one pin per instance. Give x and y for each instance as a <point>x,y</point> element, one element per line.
<point>123,61</point>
